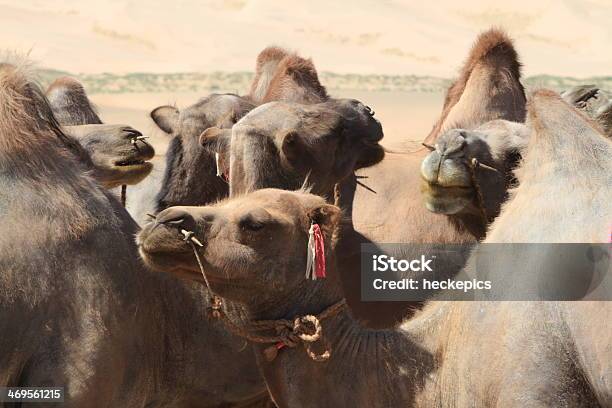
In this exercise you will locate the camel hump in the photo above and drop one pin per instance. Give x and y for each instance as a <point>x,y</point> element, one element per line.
<point>268,55</point>
<point>555,122</point>
<point>70,103</point>
<point>66,83</point>
<point>303,72</point>
<point>284,75</point>
<point>488,87</point>
<point>18,113</point>
<point>494,46</point>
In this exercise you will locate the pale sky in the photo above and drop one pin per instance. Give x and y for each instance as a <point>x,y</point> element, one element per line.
<point>559,37</point>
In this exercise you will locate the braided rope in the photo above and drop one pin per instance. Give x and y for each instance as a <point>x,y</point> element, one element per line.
<point>306,329</point>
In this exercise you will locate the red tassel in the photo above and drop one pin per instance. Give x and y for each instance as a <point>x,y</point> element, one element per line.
<point>319,252</point>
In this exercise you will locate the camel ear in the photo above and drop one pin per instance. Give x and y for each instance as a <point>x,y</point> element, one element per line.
<point>213,136</point>
<point>292,147</point>
<point>166,117</point>
<point>327,216</point>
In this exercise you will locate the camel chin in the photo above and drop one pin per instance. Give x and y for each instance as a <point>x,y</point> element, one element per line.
<point>131,174</point>
<point>446,200</point>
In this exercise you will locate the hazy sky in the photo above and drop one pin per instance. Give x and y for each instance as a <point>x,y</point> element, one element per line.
<point>561,37</point>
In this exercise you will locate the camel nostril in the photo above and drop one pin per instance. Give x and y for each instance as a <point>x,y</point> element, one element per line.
<point>175,217</point>
<point>453,145</point>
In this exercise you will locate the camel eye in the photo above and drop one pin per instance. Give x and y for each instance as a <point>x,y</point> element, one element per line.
<point>251,225</point>
<point>255,220</point>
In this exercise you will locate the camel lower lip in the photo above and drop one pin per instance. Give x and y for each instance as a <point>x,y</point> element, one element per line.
<point>130,163</point>
<point>437,189</point>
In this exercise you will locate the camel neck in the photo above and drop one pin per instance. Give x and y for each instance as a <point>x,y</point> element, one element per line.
<point>471,222</point>
<point>374,368</point>
<point>310,297</point>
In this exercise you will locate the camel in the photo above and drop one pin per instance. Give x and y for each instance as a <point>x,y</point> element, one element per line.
<point>254,252</point>
<point>596,102</point>
<point>453,179</point>
<point>285,144</point>
<point>191,175</point>
<point>284,76</point>
<point>119,153</point>
<point>94,323</point>
<point>389,209</point>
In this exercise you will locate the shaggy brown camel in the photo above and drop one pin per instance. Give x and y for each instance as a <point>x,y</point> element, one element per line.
<point>79,309</point>
<point>451,353</point>
<point>284,76</point>
<point>390,208</point>
<point>119,153</point>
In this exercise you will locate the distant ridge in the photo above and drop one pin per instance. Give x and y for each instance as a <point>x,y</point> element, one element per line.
<point>239,82</point>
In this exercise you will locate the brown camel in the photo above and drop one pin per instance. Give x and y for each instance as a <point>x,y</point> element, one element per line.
<point>284,76</point>
<point>119,154</point>
<point>196,176</point>
<point>279,76</point>
<point>191,172</point>
<point>287,145</point>
<point>390,208</point>
<point>93,321</point>
<point>475,353</point>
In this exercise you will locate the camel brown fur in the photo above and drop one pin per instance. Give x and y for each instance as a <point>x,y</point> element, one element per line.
<point>69,270</point>
<point>284,76</point>
<point>488,87</point>
<point>288,145</point>
<point>539,353</point>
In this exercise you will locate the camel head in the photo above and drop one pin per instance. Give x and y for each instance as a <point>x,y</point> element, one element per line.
<point>191,176</point>
<point>288,145</point>
<point>118,152</point>
<point>471,170</point>
<point>254,243</point>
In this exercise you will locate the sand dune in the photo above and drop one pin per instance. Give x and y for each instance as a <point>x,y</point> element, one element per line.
<point>361,36</point>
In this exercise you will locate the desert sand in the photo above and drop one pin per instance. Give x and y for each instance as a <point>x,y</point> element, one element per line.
<point>567,37</point>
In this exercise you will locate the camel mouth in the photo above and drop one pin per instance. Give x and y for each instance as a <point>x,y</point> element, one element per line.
<point>125,163</point>
<point>175,263</point>
<point>447,200</point>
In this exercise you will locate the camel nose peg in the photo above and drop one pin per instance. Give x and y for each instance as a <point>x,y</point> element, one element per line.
<point>176,217</point>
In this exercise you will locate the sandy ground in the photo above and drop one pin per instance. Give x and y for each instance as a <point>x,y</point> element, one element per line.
<point>407,117</point>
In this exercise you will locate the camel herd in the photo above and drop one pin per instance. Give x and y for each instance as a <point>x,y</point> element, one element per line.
<point>206,303</point>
